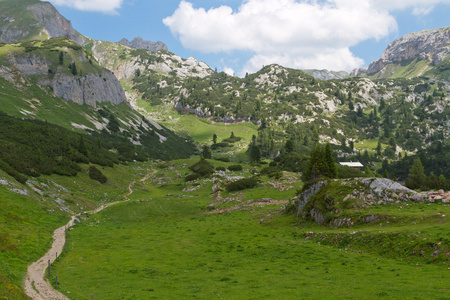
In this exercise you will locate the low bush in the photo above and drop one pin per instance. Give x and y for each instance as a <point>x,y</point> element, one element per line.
<point>96,174</point>
<point>242,184</point>
<point>193,176</point>
<point>220,169</point>
<point>235,168</point>
<point>220,145</point>
<point>202,167</point>
<point>348,172</point>
<point>224,159</point>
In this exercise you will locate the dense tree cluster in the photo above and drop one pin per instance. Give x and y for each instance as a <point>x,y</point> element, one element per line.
<point>321,163</point>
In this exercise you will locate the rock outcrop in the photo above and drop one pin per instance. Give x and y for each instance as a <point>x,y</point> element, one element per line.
<point>326,74</point>
<point>96,86</point>
<point>429,45</point>
<point>162,62</point>
<point>89,89</point>
<point>140,43</point>
<point>43,20</point>
<point>364,192</point>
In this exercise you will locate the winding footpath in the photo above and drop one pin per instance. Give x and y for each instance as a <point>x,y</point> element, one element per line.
<point>39,288</point>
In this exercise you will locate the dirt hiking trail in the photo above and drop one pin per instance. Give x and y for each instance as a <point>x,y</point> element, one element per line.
<point>39,288</point>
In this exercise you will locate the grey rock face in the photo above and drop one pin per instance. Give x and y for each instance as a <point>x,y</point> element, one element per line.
<point>140,43</point>
<point>430,45</point>
<point>89,89</point>
<point>304,197</point>
<point>54,23</point>
<point>380,186</point>
<point>359,72</point>
<point>326,74</point>
<point>43,20</point>
<point>101,86</point>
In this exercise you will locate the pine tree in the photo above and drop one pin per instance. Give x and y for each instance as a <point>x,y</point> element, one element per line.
<point>254,153</point>
<point>368,172</point>
<point>214,138</point>
<point>417,176</point>
<point>329,161</point>
<point>206,152</point>
<point>61,57</point>
<point>74,69</point>
<point>379,148</point>
<point>289,146</point>
<point>316,164</point>
<point>82,146</point>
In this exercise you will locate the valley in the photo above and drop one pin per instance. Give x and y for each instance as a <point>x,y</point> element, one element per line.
<point>175,180</point>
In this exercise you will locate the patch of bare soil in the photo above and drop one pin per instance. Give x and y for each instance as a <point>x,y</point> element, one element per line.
<point>260,202</point>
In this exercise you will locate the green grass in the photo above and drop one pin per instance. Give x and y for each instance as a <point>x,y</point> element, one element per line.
<point>26,228</point>
<point>200,130</point>
<point>27,222</point>
<point>407,69</point>
<point>162,245</point>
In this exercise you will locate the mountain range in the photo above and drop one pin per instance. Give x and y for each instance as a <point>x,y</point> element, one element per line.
<point>400,100</point>
<point>86,123</point>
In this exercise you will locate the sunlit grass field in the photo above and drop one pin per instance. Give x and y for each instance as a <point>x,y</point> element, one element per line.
<point>164,245</point>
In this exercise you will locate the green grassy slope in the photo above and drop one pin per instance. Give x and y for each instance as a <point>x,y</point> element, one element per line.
<point>22,18</point>
<point>164,243</point>
<point>30,213</point>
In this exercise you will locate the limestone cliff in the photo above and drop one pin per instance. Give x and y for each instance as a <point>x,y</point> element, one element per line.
<point>92,84</point>
<point>140,43</point>
<point>430,46</point>
<point>20,20</point>
<point>326,74</point>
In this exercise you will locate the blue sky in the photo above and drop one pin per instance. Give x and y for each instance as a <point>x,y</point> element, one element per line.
<point>241,36</point>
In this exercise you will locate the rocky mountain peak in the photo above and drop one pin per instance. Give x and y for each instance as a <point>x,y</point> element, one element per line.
<point>140,43</point>
<point>17,23</point>
<point>428,45</point>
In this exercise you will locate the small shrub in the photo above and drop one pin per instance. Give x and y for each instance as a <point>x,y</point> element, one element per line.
<point>235,168</point>
<point>348,172</point>
<point>220,169</point>
<point>242,184</point>
<point>220,145</point>
<point>202,167</point>
<point>224,159</point>
<point>193,176</point>
<point>232,140</point>
<point>96,174</point>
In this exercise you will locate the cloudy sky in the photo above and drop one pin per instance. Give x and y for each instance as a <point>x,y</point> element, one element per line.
<point>239,36</point>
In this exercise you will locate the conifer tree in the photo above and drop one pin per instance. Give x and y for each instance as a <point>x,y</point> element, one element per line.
<point>206,152</point>
<point>417,176</point>
<point>315,166</point>
<point>379,148</point>
<point>82,146</point>
<point>289,146</point>
<point>329,161</point>
<point>254,153</point>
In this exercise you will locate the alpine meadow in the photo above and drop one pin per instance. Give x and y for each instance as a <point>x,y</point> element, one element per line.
<point>129,172</point>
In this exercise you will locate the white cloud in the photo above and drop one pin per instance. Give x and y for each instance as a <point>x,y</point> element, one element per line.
<point>293,33</point>
<point>299,34</point>
<point>105,6</point>
<point>229,71</point>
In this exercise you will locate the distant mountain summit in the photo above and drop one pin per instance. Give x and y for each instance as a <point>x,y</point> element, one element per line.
<point>412,55</point>
<point>33,19</point>
<point>140,43</point>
